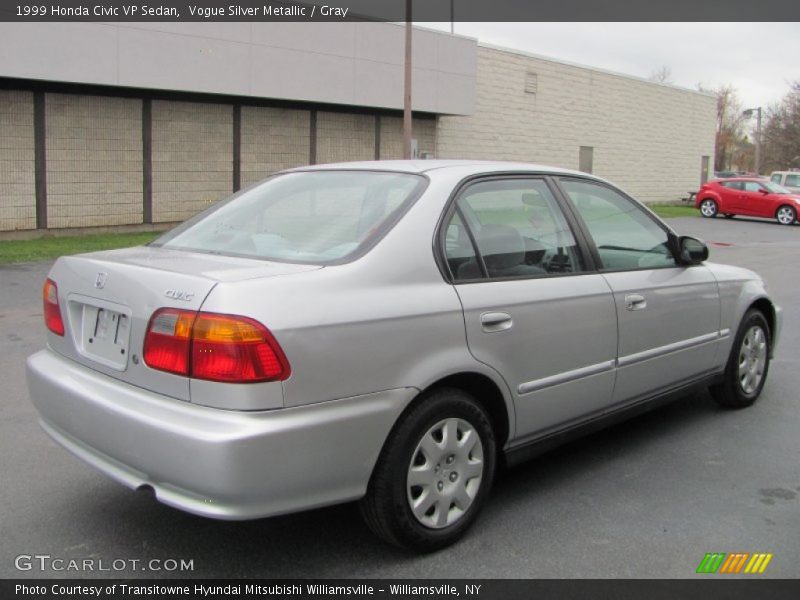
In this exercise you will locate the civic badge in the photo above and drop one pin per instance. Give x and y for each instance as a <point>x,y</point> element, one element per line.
<point>100,281</point>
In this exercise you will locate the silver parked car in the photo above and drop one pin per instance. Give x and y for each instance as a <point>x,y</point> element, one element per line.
<point>385,331</point>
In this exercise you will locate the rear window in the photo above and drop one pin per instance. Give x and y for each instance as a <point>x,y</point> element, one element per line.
<point>319,217</point>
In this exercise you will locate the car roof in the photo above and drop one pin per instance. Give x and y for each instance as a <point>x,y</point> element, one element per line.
<point>756,179</point>
<point>427,165</point>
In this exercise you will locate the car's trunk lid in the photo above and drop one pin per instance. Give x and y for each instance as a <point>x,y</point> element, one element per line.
<point>107,299</point>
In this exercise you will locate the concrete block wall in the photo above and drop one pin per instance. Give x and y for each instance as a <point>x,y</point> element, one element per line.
<point>192,157</point>
<point>94,160</point>
<point>17,161</point>
<point>343,137</point>
<point>273,139</point>
<point>423,130</point>
<point>648,138</point>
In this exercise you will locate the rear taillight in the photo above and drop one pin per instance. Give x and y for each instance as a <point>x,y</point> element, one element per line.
<point>168,341</point>
<point>52,313</point>
<point>214,347</point>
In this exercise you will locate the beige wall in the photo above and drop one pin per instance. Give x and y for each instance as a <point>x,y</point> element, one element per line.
<point>423,130</point>
<point>647,138</point>
<point>192,157</point>
<point>273,139</point>
<point>345,137</point>
<point>94,160</point>
<point>17,175</point>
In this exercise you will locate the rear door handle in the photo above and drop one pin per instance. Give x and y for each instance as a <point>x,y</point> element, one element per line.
<point>635,302</point>
<point>496,321</point>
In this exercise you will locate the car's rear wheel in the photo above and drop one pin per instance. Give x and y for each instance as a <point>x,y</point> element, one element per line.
<point>748,364</point>
<point>708,208</point>
<point>786,215</point>
<point>433,474</point>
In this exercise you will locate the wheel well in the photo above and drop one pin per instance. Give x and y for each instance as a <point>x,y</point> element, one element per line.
<point>785,205</point>
<point>488,395</point>
<point>765,307</point>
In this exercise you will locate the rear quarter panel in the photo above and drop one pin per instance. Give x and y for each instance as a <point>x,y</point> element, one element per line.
<point>385,321</point>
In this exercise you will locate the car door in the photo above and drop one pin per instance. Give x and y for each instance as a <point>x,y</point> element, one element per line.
<point>754,200</point>
<point>668,315</point>
<point>730,197</point>
<point>534,309</point>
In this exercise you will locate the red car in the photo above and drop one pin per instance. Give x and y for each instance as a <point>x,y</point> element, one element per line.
<point>748,196</point>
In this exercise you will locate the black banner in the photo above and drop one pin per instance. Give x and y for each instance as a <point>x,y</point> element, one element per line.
<point>379,589</point>
<point>394,10</point>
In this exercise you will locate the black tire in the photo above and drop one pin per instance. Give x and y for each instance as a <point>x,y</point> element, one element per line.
<point>786,215</point>
<point>386,508</point>
<point>732,393</point>
<point>708,208</point>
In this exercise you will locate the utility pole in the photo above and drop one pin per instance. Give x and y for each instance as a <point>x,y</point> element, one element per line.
<point>407,88</point>
<point>749,113</point>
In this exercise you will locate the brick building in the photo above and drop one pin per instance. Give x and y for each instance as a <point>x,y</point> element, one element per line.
<point>146,124</point>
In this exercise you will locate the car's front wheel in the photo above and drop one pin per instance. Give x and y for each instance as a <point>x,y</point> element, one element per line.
<point>748,364</point>
<point>786,215</point>
<point>433,474</point>
<point>708,208</point>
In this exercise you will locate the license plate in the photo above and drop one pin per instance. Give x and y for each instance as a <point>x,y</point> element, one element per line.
<point>105,336</point>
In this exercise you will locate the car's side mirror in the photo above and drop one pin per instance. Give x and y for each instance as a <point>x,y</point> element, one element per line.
<point>763,191</point>
<point>692,251</point>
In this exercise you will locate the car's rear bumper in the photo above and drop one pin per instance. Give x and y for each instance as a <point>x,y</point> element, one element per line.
<point>217,463</point>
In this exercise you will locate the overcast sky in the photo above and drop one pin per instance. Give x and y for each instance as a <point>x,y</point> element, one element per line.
<point>759,59</point>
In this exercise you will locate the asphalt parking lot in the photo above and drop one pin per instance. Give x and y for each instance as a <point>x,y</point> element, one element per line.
<point>647,498</point>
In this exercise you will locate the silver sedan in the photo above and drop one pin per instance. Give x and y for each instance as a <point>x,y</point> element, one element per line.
<point>389,332</point>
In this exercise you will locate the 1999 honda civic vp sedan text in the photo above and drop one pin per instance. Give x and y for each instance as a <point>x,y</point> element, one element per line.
<point>389,331</point>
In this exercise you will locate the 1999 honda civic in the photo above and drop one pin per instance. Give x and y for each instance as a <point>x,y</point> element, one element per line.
<point>389,332</point>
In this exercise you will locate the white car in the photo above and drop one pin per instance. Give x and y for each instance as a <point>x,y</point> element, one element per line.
<point>788,179</point>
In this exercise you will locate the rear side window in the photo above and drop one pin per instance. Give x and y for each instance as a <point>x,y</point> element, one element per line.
<point>733,185</point>
<point>626,237</point>
<point>518,228</point>
<point>318,217</point>
<point>792,180</point>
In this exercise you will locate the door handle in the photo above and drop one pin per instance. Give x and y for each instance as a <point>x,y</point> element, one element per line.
<point>496,321</point>
<point>635,302</point>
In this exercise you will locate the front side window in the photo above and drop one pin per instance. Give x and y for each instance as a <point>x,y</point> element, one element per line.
<point>752,186</point>
<point>625,236</point>
<point>518,228</point>
<point>316,217</point>
<point>777,179</point>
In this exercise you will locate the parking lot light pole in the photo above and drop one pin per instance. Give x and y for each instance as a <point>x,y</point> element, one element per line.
<point>407,88</point>
<point>749,113</point>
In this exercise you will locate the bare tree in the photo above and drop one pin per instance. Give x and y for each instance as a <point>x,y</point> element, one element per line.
<point>781,137</point>
<point>661,75</point>
<point>730,128</point>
